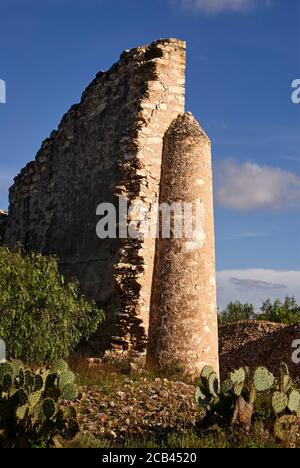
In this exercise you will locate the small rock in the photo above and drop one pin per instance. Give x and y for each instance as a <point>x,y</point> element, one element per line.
<point>103,418</point>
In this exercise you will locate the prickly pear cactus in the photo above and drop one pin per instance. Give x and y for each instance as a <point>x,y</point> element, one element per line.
<point>206,372</point>
<point>286,383</point>
<point>59,366</point>
<point>226,387</point>
<point>213,385</point>
<point>202,399</point>
<point>294,401</point>
<point>48,408</point>
<point>279,402</point>
<point>206,390</point>
<point>238,376</point>
<point>66,377</point>
<point>238,389</point>
<point>220,400</point>
<point>69,392</point>
<point>286,429</point>
<point>32,407</point>
<point>245,395</point>
<point>263,379</point>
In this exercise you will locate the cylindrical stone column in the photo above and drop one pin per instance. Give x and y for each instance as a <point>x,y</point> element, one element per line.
<point>183,326</point>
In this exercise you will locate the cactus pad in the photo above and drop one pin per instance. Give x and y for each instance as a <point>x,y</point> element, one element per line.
<point>69,392</point>
<point>263,379</point>
<point>286,383</point>
<point>37,383</point>
<point>238,376</point>
<point>213,385</point>
<point>6,383</point>
<point>226,386</point>
<point>294,401</point>
<point>59,366</point>
<point>34,398</point>
<point>202,399</point>
<point>279,402</point>
<point>66,378</point>
<point>21,412</point>
<point>49,408</point>
<point>21,397</point>
<point>238,389</point>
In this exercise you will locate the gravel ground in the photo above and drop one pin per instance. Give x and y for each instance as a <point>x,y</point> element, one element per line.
<point>155,407</point>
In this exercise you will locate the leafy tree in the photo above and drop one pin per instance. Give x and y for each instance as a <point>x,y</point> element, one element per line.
<point>42,317</point>
<point>236,312</point>
<point>287,311</point>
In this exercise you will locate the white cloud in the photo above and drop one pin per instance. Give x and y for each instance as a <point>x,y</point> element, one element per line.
<point>256,285</point>
<point>221,6</point>
<point>249,186</point>
<point>245,235</point>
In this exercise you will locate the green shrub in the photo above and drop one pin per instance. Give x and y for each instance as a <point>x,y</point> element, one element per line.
<point>287,311</point>
<point>43,318</point>
<point>236,312</point>
<point>32,410</point>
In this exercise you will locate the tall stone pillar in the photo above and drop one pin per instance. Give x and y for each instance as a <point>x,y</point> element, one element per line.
<point>183,326</point>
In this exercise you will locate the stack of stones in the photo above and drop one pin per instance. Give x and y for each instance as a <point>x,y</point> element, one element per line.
<point>141,152</point>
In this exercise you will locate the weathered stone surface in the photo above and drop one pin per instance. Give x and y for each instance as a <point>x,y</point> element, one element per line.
<point>108,144</point>
<point>183,317</point>
<point>3,221</point>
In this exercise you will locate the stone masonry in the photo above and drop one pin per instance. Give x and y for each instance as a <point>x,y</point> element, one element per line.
<point>3,221</point>
<point>110,145</point>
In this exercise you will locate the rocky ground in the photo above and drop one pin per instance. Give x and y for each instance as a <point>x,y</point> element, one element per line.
<point>138,407</point>
<point>258,343</point>
<point>138,404</point>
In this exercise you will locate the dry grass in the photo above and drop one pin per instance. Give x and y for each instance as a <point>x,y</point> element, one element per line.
<point>192,440</point>
<point>110,374</point>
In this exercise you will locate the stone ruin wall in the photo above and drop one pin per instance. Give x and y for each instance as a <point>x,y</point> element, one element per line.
<point>107,145</point>
<point>3,221</point>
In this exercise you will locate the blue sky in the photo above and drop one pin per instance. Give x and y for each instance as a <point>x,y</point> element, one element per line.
<point>242,58</point>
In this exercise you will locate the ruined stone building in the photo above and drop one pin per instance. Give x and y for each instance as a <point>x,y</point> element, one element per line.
<point>3,220</point>
<point>120,140</point>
